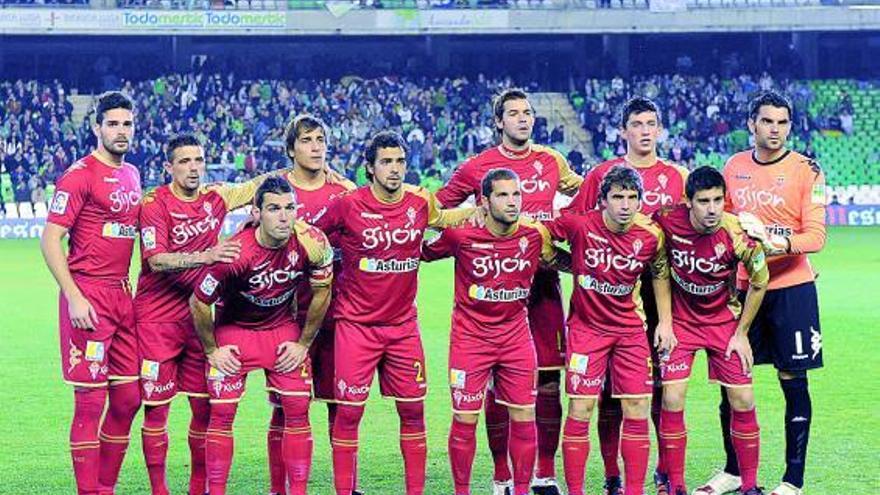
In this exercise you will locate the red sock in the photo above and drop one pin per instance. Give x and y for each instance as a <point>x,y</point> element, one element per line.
<point>413,445</point>
<point>88,406</point>
<point>277,473</point>
<point>746,437</point>
<point>297,443</point>
<point>198,430</point>
<point>523,446</point>
<point>608,425</point>
<point>656,409</point>
<point>498,431</point>
<point>462,447</point>
<point>154,440</point>
<point>220,446</point>
<point>125,399</point>
<point>575,451</point>
<point>673,447</point>
<point>548,412</point>
<point>345,447</point>
<point>635,445</point>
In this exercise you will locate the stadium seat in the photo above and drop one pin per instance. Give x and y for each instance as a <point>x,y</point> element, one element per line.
<point>40,210</point>
<point>25,210</point>
<point>11,210</point>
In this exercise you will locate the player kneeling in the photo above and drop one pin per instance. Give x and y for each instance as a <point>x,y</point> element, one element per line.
<point>257,329</point>
<point>705,245</point>
<point>494,268</point>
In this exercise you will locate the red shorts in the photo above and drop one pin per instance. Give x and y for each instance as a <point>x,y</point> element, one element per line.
<point>89,358</point>
<point>712,338</point>
<point>395,351</point>
<point>258,350</point>
<point>172,360</point>
<point>513,369</point>
<point>591,350</point>
<point>547,320</point>
<point>321,354</point>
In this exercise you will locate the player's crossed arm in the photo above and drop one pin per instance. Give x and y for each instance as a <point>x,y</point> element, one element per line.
<point>664,337</point>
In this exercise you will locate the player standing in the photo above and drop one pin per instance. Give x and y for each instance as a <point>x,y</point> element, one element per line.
<point>257,329</point>
<point>306,143</point>
<point>705,245</point>
<point>542,171</point>
<point>640,126</point>
<point>380,229</point>
<point>786,192</point>
<point>611,248</point>
<point>180,224</point>
<point>494,269</point>
<point>96,203</point>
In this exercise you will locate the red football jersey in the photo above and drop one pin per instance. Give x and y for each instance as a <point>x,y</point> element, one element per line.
<point>703,267</point>
<point>257,288</point>
<point>312,204</point>
<point>607,267</point>
<point>98,203</point>
<point>542,172</point>
<point>663,185</point>
<point>493,277</point>
<point>172,224</point>
<point>381,248</point>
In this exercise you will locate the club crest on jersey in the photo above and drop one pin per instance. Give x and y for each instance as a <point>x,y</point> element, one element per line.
<point>780,180</point>
<point>539,167</point>
<point>720,249</point>
<point>523,245</point>
<point>637,247</point>
<point>207,207</point>
<point>292,258</point>
<point>663,180</point>
<point>59,202</point>
<point>411,216</point>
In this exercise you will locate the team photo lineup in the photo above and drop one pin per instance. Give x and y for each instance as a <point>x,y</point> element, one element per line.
<point>317,289</point>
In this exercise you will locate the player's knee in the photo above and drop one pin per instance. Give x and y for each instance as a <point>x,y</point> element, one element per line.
<point>522,414</point>
<point>548,381</point>
<point>223,415</point>
<point>468,419</point>
<point>792,375</point>
<point>673,398</point>
<point>156,416</point>
<point>89,403</point>
<point>581,409</point>
<point>411,413</point>
<point>277,418</point>
<point>200,408</point>
<point>125,398</point>
<point>295,411</point>
<point>635,408</point>
<point>348,417</point>
<point>741,398</point>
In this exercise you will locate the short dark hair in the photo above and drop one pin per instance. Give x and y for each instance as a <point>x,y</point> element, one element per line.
<point>703,178</point>
<point>383,139</point>
<point>638,104</point>
<point>179,141</point>
<point>109,101</point>
<point>624,177</point>
<point>768,98</point>
<point>487,185</point>
<point>274,185</point>
<point>505,96</point>
<point>300,124</point>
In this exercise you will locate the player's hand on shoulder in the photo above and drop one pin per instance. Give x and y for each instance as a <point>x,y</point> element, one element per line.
<point>478,218</point>
<point>739,344</point>
<point>752,226</point>
<point>225,251</point>
<point>664,338</point>
<point>225,359</point>
<point>82,313</point>
<point>290,356</point>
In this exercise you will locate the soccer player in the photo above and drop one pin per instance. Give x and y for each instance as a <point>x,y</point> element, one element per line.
<point>611,248</point>
<point>705,245</point>
<point>664,184</point>
<point>785,191</point>
<point>257,329</point>
<point>494,268</point>
<point>306,143</point>
<point>96,202</point>
<point>179,224</point>
<point>543,172</point>
<point>380,229</point>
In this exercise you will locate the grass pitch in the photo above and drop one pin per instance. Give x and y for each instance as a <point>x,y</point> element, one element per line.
<point>36,405</point>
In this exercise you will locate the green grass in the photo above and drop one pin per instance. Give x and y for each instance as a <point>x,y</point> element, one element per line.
<point>36,405</point>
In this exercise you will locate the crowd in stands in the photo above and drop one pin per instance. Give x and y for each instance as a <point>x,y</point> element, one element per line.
<point>443,120</point>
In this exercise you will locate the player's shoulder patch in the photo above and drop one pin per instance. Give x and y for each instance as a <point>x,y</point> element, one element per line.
<point>417,190</point>
<point>149,197</point>
<point>643,221</point>
<point>315,243</point>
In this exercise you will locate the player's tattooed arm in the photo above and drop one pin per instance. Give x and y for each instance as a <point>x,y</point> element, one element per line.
<point>222,358</point>
<point>225,251</point>
<point>561,260</point>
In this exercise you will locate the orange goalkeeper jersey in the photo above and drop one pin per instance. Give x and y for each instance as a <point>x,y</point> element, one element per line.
<point>788,195</point>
